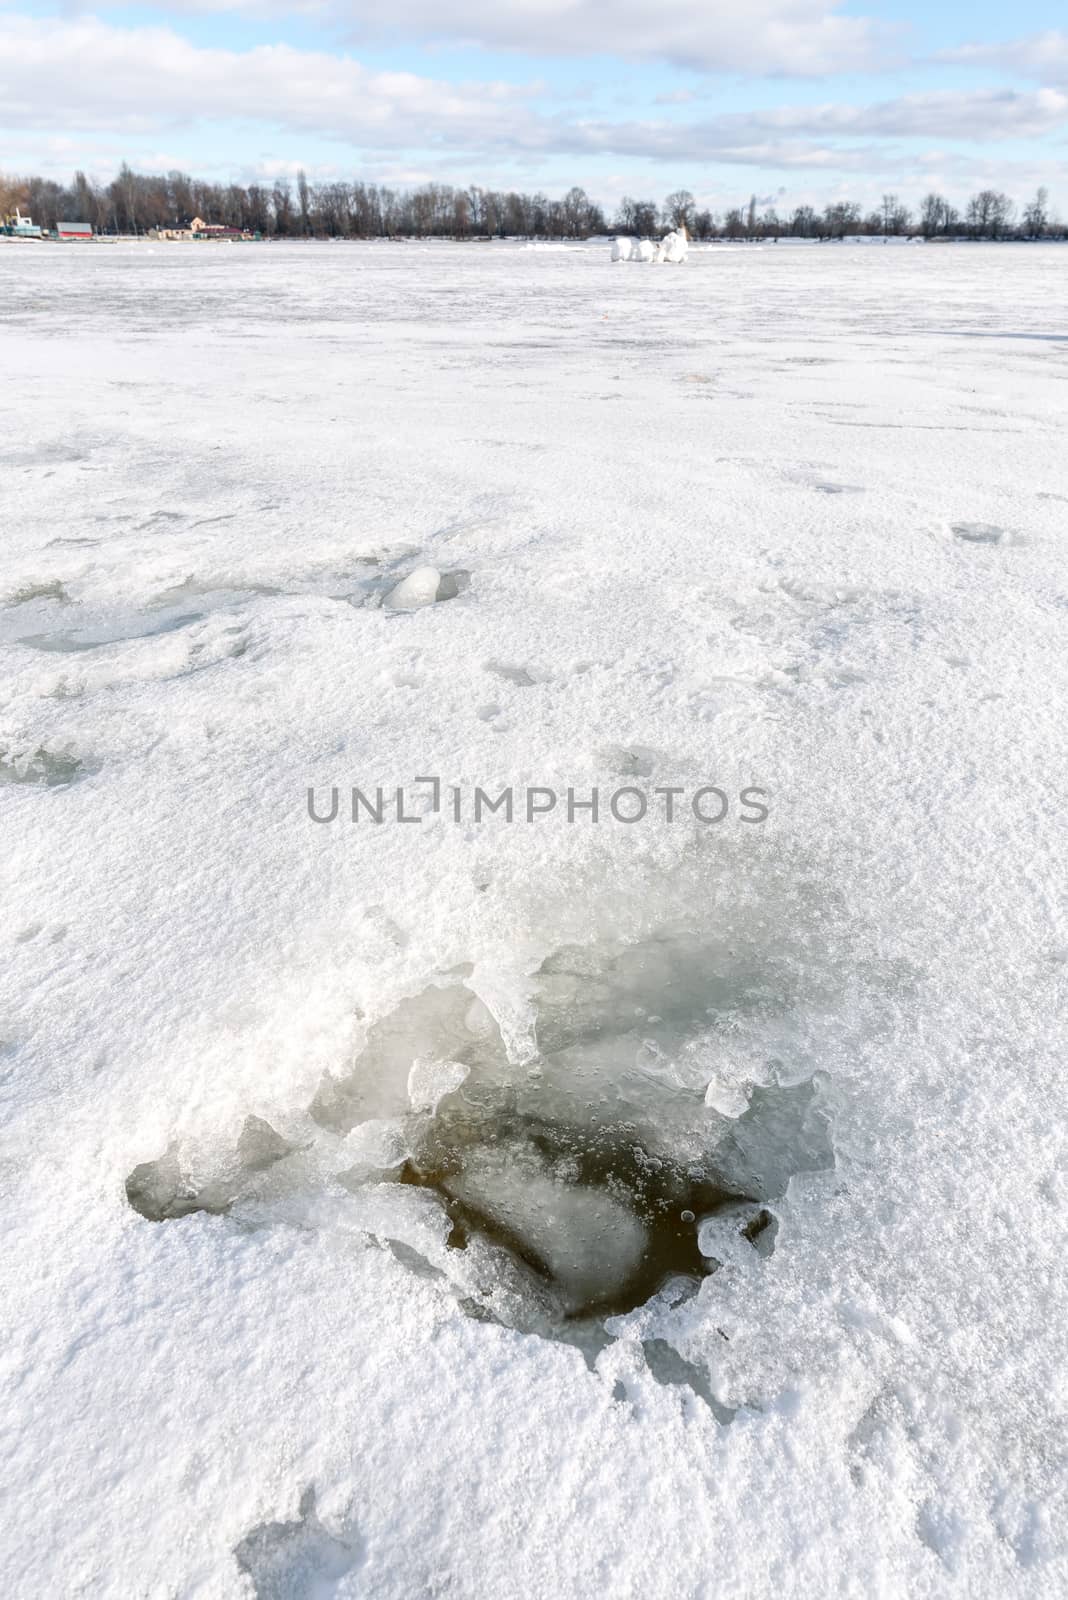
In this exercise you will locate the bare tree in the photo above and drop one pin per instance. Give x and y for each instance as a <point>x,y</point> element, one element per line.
<point>636,216</point>
<point>936,216</point>
<point>989,214</point>
<point>133,202</point>
<point>679,209</point>
<point>841,218</point>
<point>302,199</point>
<point>580,216</point>
<point>1036,214</point>
<point>804,224</point>
<point>282,206</point>
<point>896,218</point>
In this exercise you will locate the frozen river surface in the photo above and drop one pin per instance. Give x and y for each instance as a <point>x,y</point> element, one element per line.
<point>558,1207</point>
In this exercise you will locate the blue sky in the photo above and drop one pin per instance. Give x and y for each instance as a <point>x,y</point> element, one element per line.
<point>794,100</point>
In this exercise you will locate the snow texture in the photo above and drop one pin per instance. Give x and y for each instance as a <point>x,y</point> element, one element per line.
<point>321,1140</point>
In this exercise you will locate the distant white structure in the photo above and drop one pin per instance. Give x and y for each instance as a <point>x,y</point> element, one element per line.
<point>673,248</point>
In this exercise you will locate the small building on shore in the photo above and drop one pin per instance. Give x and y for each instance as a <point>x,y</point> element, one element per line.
<point>74,230</point>
<point>199,229</point>
<point>217,230</point>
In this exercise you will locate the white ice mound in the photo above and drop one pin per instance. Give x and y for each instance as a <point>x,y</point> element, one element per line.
<point>419,588</point>
<point>674,247</point>
<point>588,1241</point>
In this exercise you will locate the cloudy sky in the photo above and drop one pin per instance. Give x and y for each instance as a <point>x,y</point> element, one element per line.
<point>795,100</point>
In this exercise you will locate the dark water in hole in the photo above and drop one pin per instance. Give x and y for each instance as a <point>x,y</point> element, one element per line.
<point>579,1184</point>
<point>592,1213</point>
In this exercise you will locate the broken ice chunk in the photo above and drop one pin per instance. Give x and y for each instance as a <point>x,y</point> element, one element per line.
<point>376,1146</point>
<point>730,1236</point>
<point>729,1099</point>
<point>259,1146</point>
<point>160,1190</point>
<point>430,1081</point>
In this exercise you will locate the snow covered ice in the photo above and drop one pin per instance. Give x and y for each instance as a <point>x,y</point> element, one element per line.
<point>564,1209</point>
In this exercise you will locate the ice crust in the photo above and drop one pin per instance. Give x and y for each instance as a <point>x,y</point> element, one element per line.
<point>784,518</point>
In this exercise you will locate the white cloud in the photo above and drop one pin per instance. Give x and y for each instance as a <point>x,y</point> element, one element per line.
<point>116,85</point>
<point>1042,56</point>
<point>792,38</point>
<point>977,114</point>
<point>802,38</point>
<point>83,73</point>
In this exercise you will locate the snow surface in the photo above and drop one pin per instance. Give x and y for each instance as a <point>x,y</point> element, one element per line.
<point>788,519</point>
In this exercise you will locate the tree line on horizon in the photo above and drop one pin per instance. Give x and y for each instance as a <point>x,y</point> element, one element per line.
<point>136,203</point>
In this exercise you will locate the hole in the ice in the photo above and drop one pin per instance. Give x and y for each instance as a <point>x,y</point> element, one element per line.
<point>633,761</point>
<point>761,1230</point>
<point>70,641</point>
<point>978,532</point>
<point>453,584</point>
<point>40,591</point>
<point>588,1210</point>
<point>602,1171</point>
<point>517,675</point>
<point>577,1169</point>
<point>51,769</point>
